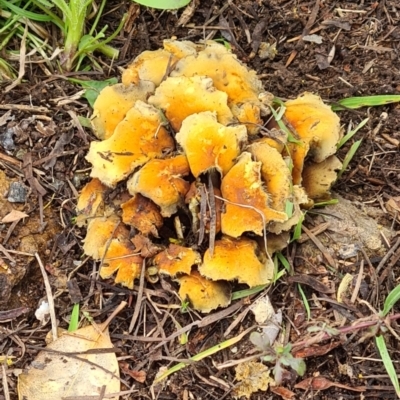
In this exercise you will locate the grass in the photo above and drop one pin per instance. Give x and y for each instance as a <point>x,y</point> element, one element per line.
<point>69,18</point>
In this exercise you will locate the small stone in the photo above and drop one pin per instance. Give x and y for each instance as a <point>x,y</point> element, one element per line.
<point>17,193</point>
<point>7,141</point>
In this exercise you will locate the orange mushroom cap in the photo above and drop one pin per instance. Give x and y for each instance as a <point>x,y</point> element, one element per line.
<point>176,260</point>
<point>155,65</point>
<point>242,185</point>
<point>180,97</point>
<point>227,72</point>
<point>120,255</point>
<point>318,128</point>
<point>138,138</point>
<point>90,201</point>
<point>114,102</point>
<point>318,178</point>
<point>209,144</point>
<point>204,295</point>
<point>161,181</point>
<point>275,173</point>
<point>237,259</point>
<point>141,213</point>
<point>99,231</point>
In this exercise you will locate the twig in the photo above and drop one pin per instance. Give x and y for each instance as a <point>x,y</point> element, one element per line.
<point>138,300</point>
<point>50,298</point>
<point>5,383</point>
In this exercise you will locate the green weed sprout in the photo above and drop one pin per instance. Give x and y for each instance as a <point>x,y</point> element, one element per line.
<point>164,4</point>
<point>280,355</point>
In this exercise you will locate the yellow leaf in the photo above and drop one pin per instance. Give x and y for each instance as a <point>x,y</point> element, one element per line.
<point>56,374</point>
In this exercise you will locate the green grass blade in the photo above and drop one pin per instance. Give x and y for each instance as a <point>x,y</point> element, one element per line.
<point>365,101</point>
<point>164,4</point>
<point>74,321</point>
<point>351,133</point>
<point>247,292</point>
<point>282,259</point>
<point>305,301</point>
<point>204,354</point>
<point>349,156</point>
<point>392,298</point>
<point>387,362</point>
<point>25,13</point>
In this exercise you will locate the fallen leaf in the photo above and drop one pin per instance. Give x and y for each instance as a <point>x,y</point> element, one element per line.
<point>13,216</point>
<point>321,383</point>
<point>286,394</point>
<point>70,366</point>
<point>139,376</point>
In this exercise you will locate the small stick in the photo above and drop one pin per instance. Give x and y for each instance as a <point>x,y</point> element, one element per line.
<point>50,298</point>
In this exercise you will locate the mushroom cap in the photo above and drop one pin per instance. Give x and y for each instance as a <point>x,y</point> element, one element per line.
<point>90,201</point>
<point>151,65</point>
<point>99,231</point>
<point>141,213</point>
<point>227,72</point>
<point>119,255</point>
<point>180,97</point>
<point>318,178</point>
<point>155,65</point>
<point>249,115</point>
<point>318,128</point>
<point>204,295</point>
<point>243,186</point>
<point>176,260</point>
<point>275,173</point>
<point>237,259</point>
<point>161,181</point>
<point>114,102</point>
<point>209,144</point>
<point>136,139</point>
<point>180,48</point>
<point>299,198</point>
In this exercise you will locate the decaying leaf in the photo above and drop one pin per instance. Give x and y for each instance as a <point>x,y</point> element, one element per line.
<point>13,216</point>
<point>204,295</point>
<point>55,375</point>
<point>254,376</point>
<point>209,144</point>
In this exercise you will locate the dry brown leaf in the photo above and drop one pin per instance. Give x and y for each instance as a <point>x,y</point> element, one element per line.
<point>322,383</point>
<point>13,216</point>
<point>56,375</point>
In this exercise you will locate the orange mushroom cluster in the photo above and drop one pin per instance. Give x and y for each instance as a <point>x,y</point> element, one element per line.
<point>191,177</point>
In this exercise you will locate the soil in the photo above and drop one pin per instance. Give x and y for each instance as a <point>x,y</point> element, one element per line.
<point>337,49</point>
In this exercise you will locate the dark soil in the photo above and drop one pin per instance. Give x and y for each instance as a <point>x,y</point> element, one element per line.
<point>358,56</point>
